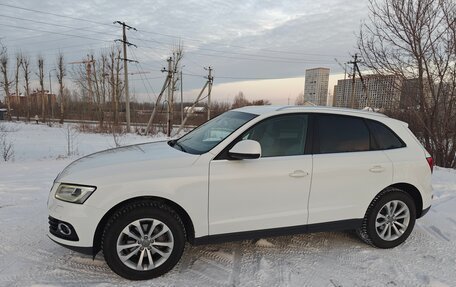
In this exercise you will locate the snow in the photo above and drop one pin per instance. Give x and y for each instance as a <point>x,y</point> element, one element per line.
<point>29,258</point>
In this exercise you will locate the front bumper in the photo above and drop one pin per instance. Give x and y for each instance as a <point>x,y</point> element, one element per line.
<point>62,229</point>
<point>83,250</point>
<point>426,210</point>
<point>82,218</point>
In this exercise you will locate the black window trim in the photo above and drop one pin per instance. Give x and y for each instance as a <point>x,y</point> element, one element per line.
<point>372,135</point>
<point>316,134</point>
<point>223,155</point>
<point>312,143</point>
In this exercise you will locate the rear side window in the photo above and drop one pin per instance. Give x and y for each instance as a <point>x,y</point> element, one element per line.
<point>384,138</point>
<point>341,134</point>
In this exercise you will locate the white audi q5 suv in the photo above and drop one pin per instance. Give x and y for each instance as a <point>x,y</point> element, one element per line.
<point>248,173</point>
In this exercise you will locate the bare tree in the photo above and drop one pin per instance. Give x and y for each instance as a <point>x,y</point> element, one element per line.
<point>41,80</point>
<point>5,81</point>
<point>300,101</point>
<point>240,101</point>
<point>16,82</point>
<point>6,146</point>
<point>61,73</point>
<point>84,78</point>
<point>99,80</point>
<point>114,68</point>
<point>26,71</point>
<point>415,40</point>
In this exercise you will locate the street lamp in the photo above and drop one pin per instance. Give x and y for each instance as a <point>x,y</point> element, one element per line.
<point>50,93</point>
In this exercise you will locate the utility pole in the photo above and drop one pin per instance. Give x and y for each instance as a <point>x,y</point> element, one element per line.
<point>170,95</point>
<point>126,60</point>
<point>157,102</point>
<point>210,80</point>
<point>355,62</point>
<point>182,96</point>
<point>352,96</point>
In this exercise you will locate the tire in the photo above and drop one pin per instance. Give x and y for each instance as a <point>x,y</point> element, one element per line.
<point>385,229</point>
<point>143,240</point>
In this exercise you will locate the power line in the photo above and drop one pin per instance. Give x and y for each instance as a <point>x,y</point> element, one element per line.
<point>238,78</point>
<point>260,57</point>
<point>263,59</point>
<point>138,64</point>
<point>166,35</point>
<point>39,36</point>
<point>54,14</point>
<point>238,46</point>
<point>237,53</point>
<point>266,59</point>
<point>54,32</point>
<point>56,25</point>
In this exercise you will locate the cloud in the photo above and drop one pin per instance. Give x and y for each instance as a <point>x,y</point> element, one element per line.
<point>242,40</point>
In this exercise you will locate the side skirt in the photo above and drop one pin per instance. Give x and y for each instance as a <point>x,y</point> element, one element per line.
<point>340,225</point>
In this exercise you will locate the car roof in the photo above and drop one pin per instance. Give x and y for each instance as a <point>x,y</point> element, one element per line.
<point>270,109</point>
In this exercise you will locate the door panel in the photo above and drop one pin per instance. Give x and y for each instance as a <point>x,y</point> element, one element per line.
<point>347,173</point>
<point>258,194</point>
<point>268,192</point>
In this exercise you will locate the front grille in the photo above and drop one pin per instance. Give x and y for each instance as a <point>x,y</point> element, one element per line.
<point>62,229</point>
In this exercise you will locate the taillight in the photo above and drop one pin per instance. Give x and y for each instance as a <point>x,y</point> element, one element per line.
<point>431,163</point>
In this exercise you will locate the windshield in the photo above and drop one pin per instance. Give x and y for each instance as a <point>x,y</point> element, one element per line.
<point>205,137</point>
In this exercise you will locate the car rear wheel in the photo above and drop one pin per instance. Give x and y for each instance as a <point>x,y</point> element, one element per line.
<point>389,219</point>
<point>143,240</point>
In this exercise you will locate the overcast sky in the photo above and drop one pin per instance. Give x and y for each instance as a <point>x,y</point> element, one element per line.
<point>244,41</point>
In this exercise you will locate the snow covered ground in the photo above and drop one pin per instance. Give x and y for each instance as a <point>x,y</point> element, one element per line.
<point>29,258</point>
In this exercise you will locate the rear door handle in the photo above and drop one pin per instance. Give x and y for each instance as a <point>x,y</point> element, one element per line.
<point>298,173</point>
<point>377,169</point>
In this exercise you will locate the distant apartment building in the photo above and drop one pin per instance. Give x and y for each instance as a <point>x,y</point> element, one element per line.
<point>35,98</point>
<point>316,86</point>
<point>382,92</point>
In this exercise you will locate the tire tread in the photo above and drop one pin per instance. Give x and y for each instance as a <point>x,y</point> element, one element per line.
<point>130,207</point>
<point>362,231</point>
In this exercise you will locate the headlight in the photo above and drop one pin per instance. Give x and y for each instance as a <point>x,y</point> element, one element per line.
<point>74,193</point>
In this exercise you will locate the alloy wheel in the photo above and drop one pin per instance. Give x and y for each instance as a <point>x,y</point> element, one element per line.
<point>392,220</point>
<point>145,244</point>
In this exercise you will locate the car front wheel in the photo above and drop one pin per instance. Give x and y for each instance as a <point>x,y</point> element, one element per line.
<point>143,240</point>
<point>389,219</point>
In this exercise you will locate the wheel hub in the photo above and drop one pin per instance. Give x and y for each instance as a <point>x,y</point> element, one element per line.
<point>392,220</point>
<point>145,244</point>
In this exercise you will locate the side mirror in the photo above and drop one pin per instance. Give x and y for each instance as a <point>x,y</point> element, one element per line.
<point>246,149</point>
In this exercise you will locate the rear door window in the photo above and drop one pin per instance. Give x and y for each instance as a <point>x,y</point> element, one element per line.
<point>337,133</point>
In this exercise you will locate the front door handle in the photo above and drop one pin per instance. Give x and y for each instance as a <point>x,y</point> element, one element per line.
<point>377,169</point>
<point>299,173</point>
